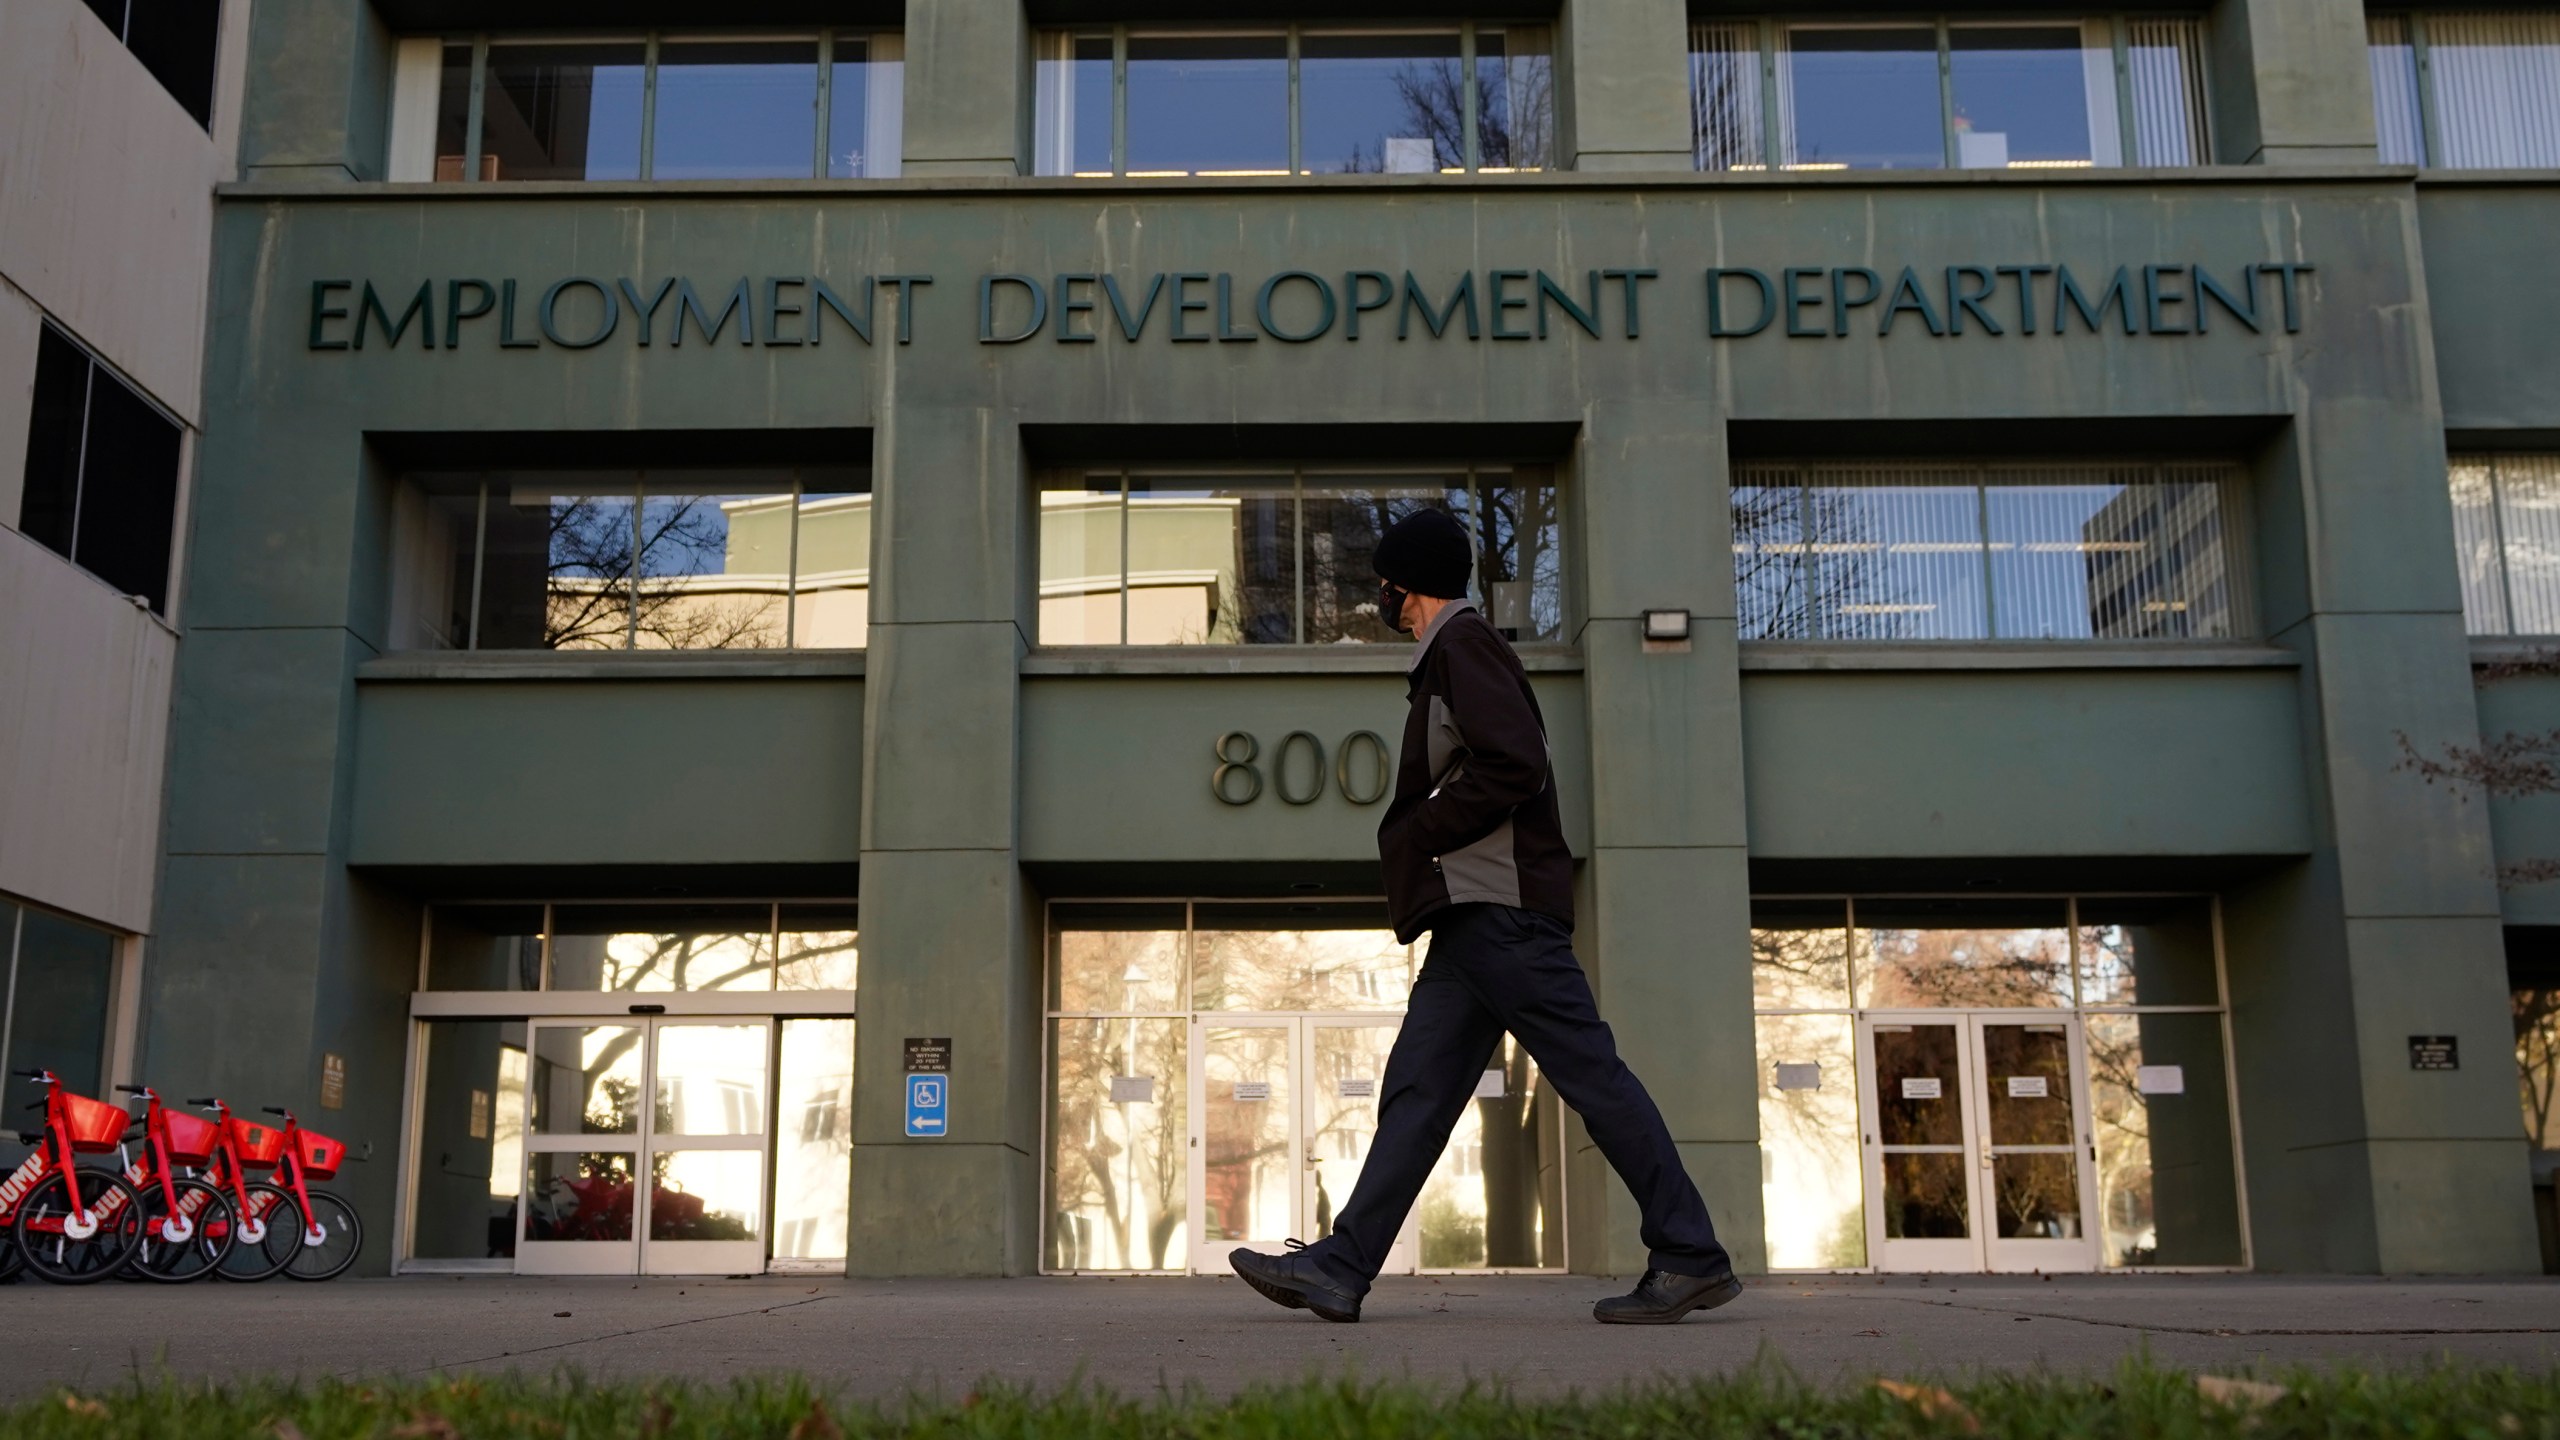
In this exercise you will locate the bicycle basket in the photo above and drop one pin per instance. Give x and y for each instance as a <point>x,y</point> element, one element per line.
<point>320,1156</point>
<point>191,1140</point>
<point>95,1126</point>
<point>259,1146</point>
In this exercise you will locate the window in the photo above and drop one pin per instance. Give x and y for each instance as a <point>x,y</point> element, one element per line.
<point>657,107</point>
<point>175,40</point>
<point>2012,551</point>
<point>1307,100</point>
<point>2467,89</point>
<point>1921,95</point>
<point>59,979</point>
<point>2506,531</point>
<point>102,472</point>
<point>643,946</point>
<point>625,560</point>
<point>1211,557</point>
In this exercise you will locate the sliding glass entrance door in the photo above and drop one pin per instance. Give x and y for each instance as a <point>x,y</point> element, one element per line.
<point>1287,1110</point>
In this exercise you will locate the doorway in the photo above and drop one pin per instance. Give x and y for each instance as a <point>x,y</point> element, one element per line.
<point>1978,1148</point>
<point>1287,1109</point>
<point>646,1146</point>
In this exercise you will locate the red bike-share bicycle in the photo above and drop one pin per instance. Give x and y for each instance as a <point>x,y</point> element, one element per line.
<point>69,1225</point>
<point>284,1226</point>
<point>188,1228</point>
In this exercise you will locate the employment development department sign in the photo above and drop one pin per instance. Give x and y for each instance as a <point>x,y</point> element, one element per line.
<point>1299,307</point>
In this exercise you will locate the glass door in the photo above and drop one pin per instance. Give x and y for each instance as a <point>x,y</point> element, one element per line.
<point>1976,1142</point>
<point>583,1085</point>
<point>699,1138</point>
<point>2034,1142</point>
<point>1345,1063</point>
<point>1924,1206</point>
<point>1244,1187</point>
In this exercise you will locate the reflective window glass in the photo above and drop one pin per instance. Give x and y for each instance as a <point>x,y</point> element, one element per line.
<point>706,1195</point>
<point>2496,81</point>
<point>1810,1184</point>
<point>1212,560</point>
<point>453,112</point>
<point>662,947</point>
<point>1214,104</point>
<point>1117,957</point>
<point>820,948</point>
<point>708,1079</point>
<point>556,111</point>
<point>735,110</point>
<point>866,103</point>
<point>1495,1199</point>
<point>1981,953</point>
<point>813,1141</point>
<point>58,1012</point>
<point>1381,102</point>
<point>1724,95</point>
<point>2148,952</point>
<point>714,570</point>
<point>1515,97</point>
<point>1343,518</point>
<point>1860,98</point>
<point>1297,957</point>
<point>1800,954</point>
<point>583,1080</point>
<point>1081,529</point>
<point>1119,1156</point>
<point>484,947</point>
<point>1899,555</point>
<point>2033,95</point>
<point>2168,1187</point>
<point>578,1197</point>
<point>1072,133</point>
<point>470,1140</point>
<point>101,477</point>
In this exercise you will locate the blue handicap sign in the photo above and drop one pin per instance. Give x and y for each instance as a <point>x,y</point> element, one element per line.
<point>928,1105</point>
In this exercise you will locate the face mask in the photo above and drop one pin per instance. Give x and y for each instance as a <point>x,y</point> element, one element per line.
<point>1391,605</point>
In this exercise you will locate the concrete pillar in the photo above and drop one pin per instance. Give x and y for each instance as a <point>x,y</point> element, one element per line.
<point>1667,930</point>
<point>2391,929</point>
<point>968,89</point>
<point>321,109</point>
<point>948,942</point>
<point>1622,85</point>
<point>2291,85</point>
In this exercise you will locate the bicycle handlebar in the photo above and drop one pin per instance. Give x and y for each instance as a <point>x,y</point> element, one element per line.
<point>207,1101</point>
<point>272,1109</point>
<point>31,1074</point>
<point>135,1089</point>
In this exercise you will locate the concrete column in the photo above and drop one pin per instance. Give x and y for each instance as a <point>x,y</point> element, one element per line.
<point>968,88</point>
<point>321,109</point>
<point>2291,85</point>
<point>2354,1160</point>
<point>948,930</point>
<point>1622,85</point>
<point>1667,932</point>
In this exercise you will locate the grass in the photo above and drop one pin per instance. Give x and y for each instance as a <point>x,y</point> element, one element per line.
<point>2139,1399</point>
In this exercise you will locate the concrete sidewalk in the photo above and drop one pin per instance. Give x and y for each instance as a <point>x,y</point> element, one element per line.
<point>1134,1335</point>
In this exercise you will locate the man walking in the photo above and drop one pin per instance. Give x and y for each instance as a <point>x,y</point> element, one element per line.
<point>1474,853</point>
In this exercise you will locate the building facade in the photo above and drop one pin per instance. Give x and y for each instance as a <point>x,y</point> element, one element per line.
<point>780,609</point>
<point>117,120</point>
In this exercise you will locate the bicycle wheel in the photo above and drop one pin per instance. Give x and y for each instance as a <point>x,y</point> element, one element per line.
<point>341,1236</point>
<point>47,1226</point>
<point>205,1218</point>
<point>267,1245</point>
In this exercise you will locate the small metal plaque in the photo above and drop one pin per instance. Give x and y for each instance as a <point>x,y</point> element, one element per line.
<point>479,1114</point>
<point>1920,1087</point>
<point>1250,1092</point>
<point>1356,1089</point>
<point>1799,1076</point>
<point>1133,1089</point>
<point>929,1056</point>
<point>2160,1079</point>
<point>2026,1087</point>
<point>2434,1052</point>
<point>333,1082</point>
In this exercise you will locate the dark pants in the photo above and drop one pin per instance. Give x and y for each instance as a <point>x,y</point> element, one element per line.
<point>1490,969</point>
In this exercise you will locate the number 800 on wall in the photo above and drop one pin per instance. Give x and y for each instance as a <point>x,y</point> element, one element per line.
<point>1301,757</point>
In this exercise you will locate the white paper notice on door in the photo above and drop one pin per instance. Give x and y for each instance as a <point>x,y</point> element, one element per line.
<point>1794,1076</point>
<point>1356,1089</point>
<point>1920,1087</point>
<point>1249,1091</point>
<point>1489,1085</point>
<point>2026,1087</point>
<point>1133,1089</point>
<point>2161,1079</point>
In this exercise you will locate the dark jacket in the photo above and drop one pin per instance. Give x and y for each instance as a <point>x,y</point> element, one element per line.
<point>1474,815</point>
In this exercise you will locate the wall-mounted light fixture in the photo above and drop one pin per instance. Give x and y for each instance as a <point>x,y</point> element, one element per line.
<point>1666,625</point>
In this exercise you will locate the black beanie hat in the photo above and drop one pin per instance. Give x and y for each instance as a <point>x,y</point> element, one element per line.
<point>1426,553</point>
